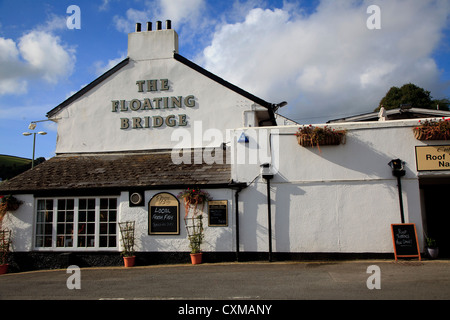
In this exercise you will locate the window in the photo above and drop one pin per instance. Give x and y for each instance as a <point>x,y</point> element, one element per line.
<point>76,223</point>
<point>64,227</point>
<point>86,223</point>
<point>44,223</point>
<point>108,222</point>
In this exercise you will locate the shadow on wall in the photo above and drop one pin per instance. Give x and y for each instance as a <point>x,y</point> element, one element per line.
<point>359,155</point>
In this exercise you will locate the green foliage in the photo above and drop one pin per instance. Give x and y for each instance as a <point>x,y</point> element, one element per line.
<point>410,94</point>
<point>11,166</point>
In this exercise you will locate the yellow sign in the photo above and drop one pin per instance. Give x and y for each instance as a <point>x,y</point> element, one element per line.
<point>433,158</point>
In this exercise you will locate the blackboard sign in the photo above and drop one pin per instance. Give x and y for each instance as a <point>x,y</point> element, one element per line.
<point>164,214</point>
<point>218,213</point>
<point>405,241</point>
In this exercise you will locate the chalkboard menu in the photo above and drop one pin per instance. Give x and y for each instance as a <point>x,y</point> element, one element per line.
<point>164,214</point>
<point>405,241</point>
<point>218,213</point>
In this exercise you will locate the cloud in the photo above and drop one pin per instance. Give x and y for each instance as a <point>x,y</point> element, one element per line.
<point>178,11</point>
<point>46,56</point>
<point>189,18</point>
<point>328,62</point>
<point>37,54</point>
<point>101,67</point>
<point>181,11</point>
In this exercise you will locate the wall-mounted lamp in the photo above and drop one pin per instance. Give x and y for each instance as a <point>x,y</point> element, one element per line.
<point>266,171</point>
<point>397,167</point>
<point>398,170</point>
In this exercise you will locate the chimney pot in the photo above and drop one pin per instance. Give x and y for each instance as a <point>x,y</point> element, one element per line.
<point>138,27</point>
<point>158,25</point>
<point>149,26</point>
<point>168,24</point>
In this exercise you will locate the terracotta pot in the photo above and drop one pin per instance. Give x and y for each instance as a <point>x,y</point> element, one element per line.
<point>433,252</point>
<point>196,258</point>
<point>3,268</point>
<point>129,261</point>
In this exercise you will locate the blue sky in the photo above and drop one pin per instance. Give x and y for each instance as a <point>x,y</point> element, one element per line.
<point>320,56</point>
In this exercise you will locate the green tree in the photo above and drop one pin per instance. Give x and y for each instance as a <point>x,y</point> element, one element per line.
<point>413,95</point>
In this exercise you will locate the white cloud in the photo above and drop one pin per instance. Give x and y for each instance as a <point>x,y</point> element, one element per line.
<point>36,55</point>
<point>329,62</point>
<point>181,10</point>
<point>45,55</point>
<point>101,67</point>
<point>188,16</point>
<point>126,24</point>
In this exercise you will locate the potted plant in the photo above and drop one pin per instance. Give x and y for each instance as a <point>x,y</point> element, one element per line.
<point>310,136</point>
<point>432,248</point>
<point>194,201</point>
<point>5,241</point>
<point>194,228</point>
<point>433,130</point>
<point>127,232</point>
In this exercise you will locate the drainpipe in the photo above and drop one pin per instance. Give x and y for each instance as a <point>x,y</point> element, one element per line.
<point>267,174</point>
<point>236,201</point>
<point>238,188</point>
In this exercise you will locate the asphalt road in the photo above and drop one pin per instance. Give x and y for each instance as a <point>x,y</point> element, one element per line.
<point>428,280</point>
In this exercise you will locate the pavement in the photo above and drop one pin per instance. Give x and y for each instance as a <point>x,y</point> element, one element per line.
<point>343,280</point>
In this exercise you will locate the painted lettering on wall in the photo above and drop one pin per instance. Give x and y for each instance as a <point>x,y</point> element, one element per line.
<point>149,104</point>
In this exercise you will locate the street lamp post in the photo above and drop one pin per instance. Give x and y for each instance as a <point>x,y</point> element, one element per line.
<point>34,142</point>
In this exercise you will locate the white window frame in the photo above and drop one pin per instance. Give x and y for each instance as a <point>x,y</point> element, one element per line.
<point>75,247</point>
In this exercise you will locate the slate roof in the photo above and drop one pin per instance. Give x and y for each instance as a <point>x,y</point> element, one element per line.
<point>116,171</point>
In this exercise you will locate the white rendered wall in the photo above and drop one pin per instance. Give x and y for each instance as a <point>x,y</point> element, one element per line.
<point>216,238</point>
<point>21,223</point>
<point>339,199</point>
<point>89,124</point>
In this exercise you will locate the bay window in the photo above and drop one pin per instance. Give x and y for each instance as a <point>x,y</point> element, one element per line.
<point>76,223</point>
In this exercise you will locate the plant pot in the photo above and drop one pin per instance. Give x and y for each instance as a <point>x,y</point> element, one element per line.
<point>196,258</point>
<point>129,261</point>
<point>433,252</point>
<point>3,268</point>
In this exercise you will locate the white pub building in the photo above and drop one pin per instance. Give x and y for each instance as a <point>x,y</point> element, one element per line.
<point>157,124</point>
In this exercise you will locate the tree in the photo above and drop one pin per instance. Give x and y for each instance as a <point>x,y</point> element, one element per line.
<point>413,95</point>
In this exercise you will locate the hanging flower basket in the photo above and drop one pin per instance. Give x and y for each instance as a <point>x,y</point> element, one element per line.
<point>311,136</point>
<point>7,204</point>
<point>193,198</point>
<point>433,130</point>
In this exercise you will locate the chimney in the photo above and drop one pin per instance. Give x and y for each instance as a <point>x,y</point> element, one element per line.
<point>153,44</point>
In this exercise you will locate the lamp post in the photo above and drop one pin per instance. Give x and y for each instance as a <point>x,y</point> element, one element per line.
<point>42,133</point>
<point>398,171</point>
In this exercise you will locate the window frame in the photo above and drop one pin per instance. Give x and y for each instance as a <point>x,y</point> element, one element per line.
<point>76,223</point>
